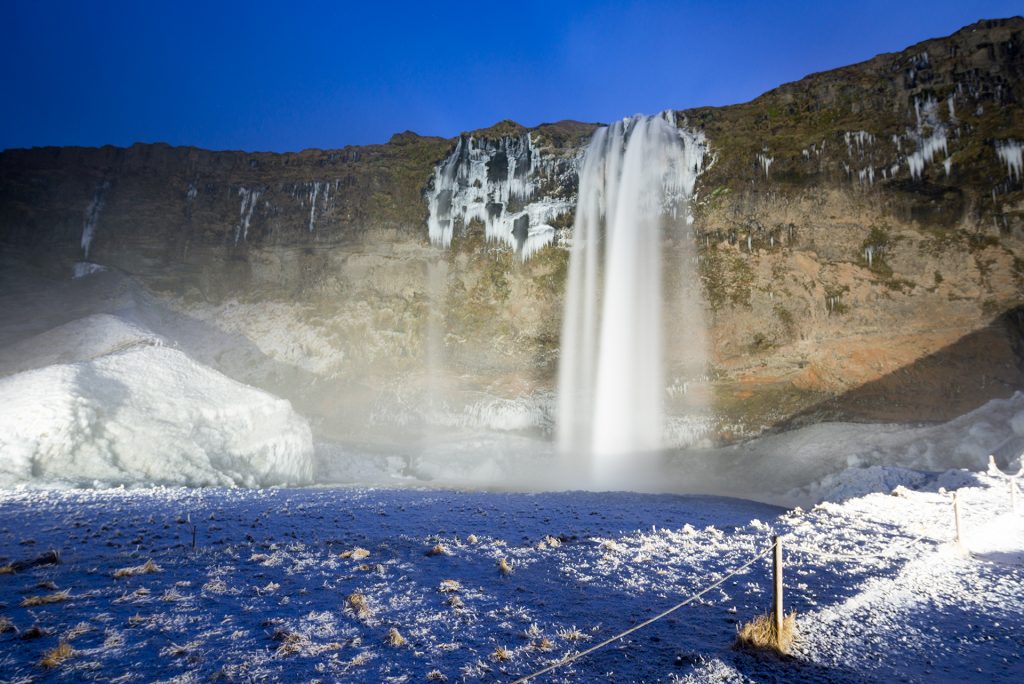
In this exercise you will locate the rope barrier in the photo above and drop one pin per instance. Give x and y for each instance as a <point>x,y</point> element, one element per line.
<point>688,600</point>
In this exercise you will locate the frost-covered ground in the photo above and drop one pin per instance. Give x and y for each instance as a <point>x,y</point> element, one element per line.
<point>880,591</point>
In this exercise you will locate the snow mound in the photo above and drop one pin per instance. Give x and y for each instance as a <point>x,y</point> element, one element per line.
<point>80,340</point>
<point>143,415</point>
<point>1000,540</point>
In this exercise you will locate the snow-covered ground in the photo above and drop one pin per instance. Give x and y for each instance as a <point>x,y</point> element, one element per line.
<point>267,592</point>
<point>101,384</point>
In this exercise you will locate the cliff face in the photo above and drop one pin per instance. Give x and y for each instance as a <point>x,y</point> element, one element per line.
<point>860,236</point>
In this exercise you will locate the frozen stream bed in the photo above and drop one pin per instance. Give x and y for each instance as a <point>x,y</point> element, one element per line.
<point>266,592</point>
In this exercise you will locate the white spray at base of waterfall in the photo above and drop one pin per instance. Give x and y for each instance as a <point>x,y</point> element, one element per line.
<point>638,176</point>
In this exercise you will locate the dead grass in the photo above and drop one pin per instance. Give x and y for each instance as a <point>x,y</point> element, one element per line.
<point>436,676</point>
<point>57,655</point>
<point>449,586</point>
<point>6,625</point>
<point>471,539</point>
<point>544,644</point>
<point>358,604</point>
<point>501,654</point>
<point>395,638</point>
<point>172,595</point>
<point>438,550</point>
<point>144,569</point>
<point>30,601</point>
<point>216,586</point>
<point>77,631</point>
<point>574,633</point>
<point>505,567</point>
<point>455,602</point>
<point>358,553</point>
<point>760,634</point>
<point>296,643</point>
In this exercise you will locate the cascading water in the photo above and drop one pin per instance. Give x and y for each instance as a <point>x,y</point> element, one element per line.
<point>637,179</point>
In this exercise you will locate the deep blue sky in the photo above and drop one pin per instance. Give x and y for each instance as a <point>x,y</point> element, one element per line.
<point>289,75</point>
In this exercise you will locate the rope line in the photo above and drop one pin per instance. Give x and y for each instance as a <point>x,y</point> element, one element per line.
<point>688,600</point>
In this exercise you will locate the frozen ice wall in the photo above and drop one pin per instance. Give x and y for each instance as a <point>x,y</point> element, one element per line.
<point>498,182</point>
<point>635,186</point>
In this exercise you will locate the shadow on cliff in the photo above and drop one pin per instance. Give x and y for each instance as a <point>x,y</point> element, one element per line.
<point>983,365</point>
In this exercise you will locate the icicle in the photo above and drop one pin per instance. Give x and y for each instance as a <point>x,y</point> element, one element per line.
<point>1011,153</point>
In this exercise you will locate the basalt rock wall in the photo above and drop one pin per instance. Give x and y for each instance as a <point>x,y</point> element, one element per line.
<point>860,228</point>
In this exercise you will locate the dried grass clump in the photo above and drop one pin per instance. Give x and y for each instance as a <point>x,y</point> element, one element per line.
<point>501,654</point>
<point>216,586</point>
<point>144,569</point>
<point>505,567</point>
<point>471,539</point>
<point>395,638</point>
<point>77,631</point>
<point>449,586</point>
<point>574,633</point>
<point>358,604</point>
<point>358,553</point>
<point>438,550</point>
<point>375,567</point>
<point>6,625</point>
<point>57,597</point>
<point>454,602</point>
<point>544,644</point>
<point>296,643</point>
<point>172,595</point>
<point>436,676</point>
<point>760,634</point>
<point>57,655</point>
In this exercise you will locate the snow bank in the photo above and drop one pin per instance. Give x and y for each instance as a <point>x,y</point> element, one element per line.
<point>80,340</point>
<point>837,461</point>
<point>127,411</point>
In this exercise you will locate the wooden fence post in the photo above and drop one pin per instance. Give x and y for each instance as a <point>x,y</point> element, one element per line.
<point>777,610</point>
<point>956,518</point>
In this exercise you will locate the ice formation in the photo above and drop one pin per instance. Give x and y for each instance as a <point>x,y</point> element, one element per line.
<point>85,268</point>
<point>765,161</point>
<point>1011,153</point>
<point>495,182</point>
<point>101,400</point>
<point>928,146</point>
<point>638,176</point>
<point>92,216</point>
<point>249,199</point>
<point>857,140</point>
<point>314,193</point>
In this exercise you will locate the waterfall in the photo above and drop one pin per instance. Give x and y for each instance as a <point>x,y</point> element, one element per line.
<point>637,179</point>
<point>92,216</point>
